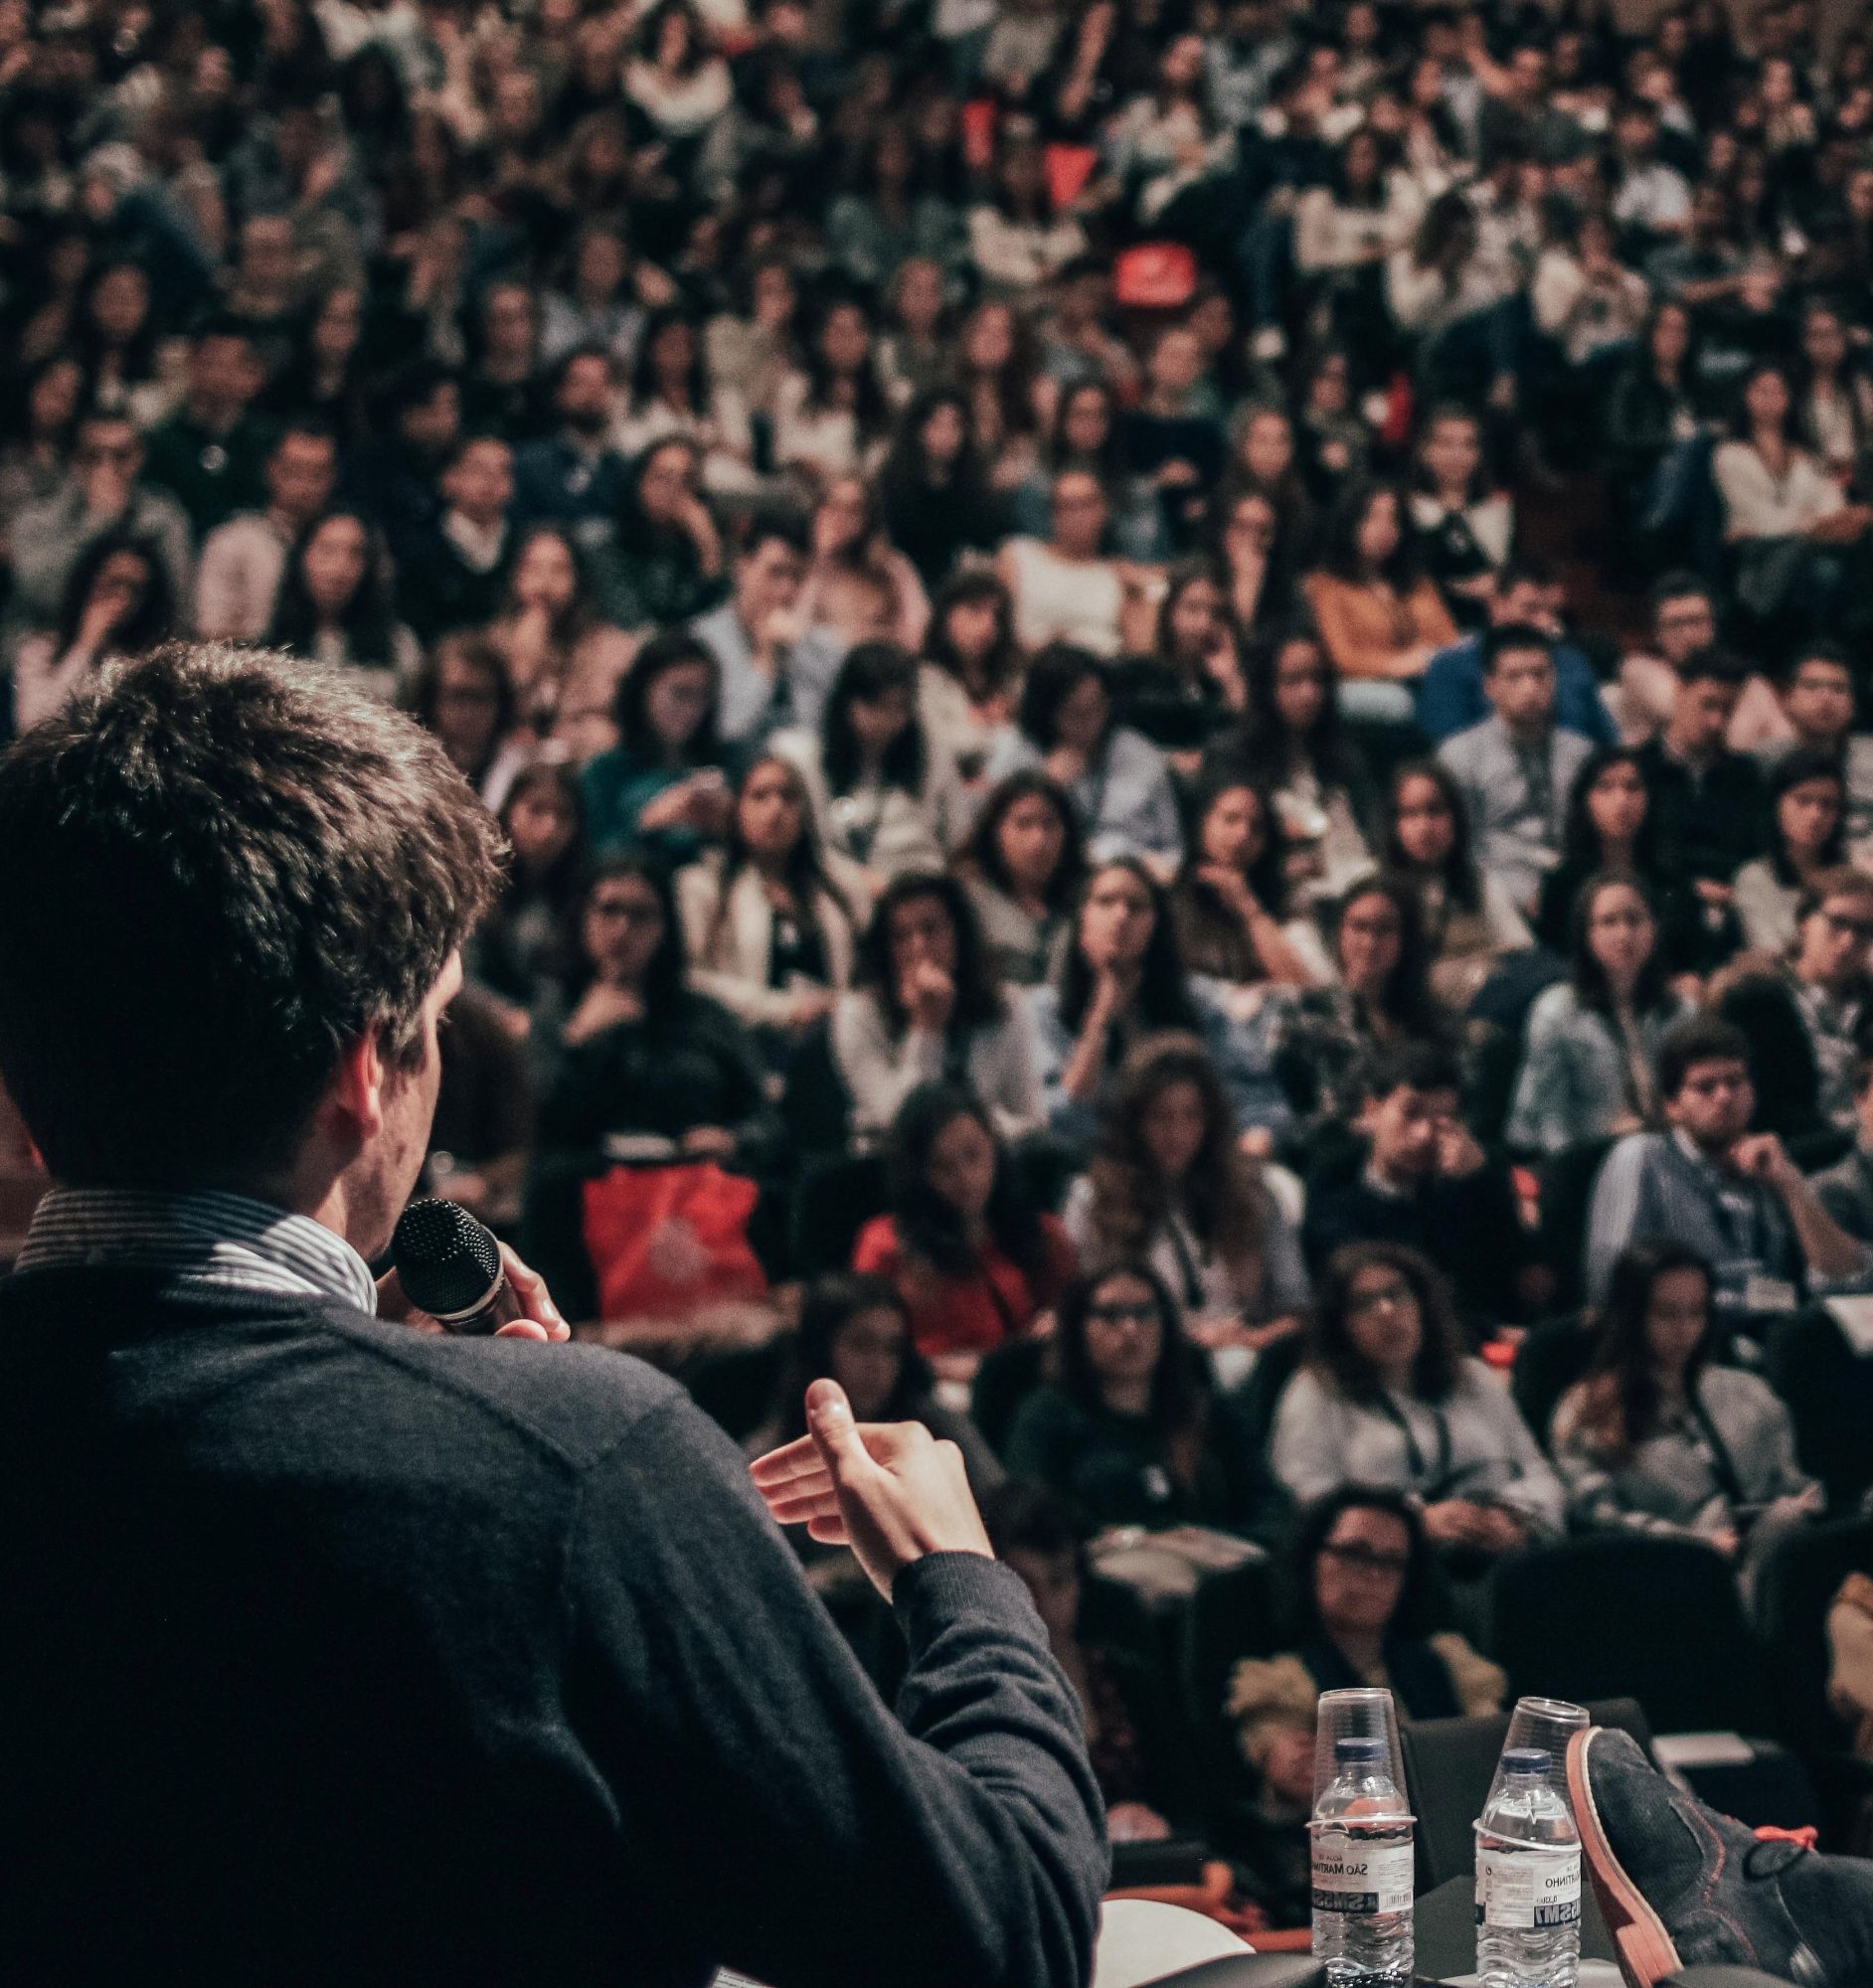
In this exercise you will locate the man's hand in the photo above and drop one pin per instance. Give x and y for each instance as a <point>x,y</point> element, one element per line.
<point>1762,1157</point>
<point>540,1317</point>
<point>890,1491</point>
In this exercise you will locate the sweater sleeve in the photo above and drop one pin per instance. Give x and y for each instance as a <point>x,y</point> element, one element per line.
<point>1305,1446</point>
<point>960,1841</point>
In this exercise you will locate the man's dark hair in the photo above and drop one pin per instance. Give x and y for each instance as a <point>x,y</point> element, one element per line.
<point>1499,641</point>
<point>1409,1066</point>
<point>1680,585</point>
<point>1701,1039</point>
<point>1833,654</point>
<point>1712,664</point>
<point>227,866</point>
<point>772,523</point>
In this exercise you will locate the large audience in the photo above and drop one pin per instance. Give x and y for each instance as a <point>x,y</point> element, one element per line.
<point>1174,685</point>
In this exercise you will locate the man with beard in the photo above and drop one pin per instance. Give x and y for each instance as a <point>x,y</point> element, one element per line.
<point>572,477</point>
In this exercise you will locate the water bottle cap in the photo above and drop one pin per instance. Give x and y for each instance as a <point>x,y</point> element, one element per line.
<point>1527,1761</point>
<point>1357,1749</point>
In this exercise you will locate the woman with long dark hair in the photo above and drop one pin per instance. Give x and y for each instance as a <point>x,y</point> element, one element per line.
<point>1660,1437</point>
<point>1230,901</point>
<point>1608,830</point>
<point>526,949</point>
<point>832,418</point>
<point>1191,681</point>
<point>1129,1429</point>
<point>883,797</point>
<point>1469,920</point>
<point>971,668</point>
<point>462,694</point>
<point>924,1004</point>
<point>1592,1040</point>
<point>335,604</point>
<point>664,563</point>
<point>934,488</point>
<point>1808,834</point>
<point>1293,745</point>
<point>564,661</point>
<point>663,784</point>
<point>973,1261</point>
<point>1252,555</point>
<point>770,921</point>
<point>1388,1395</point>
<point>1378,612</point>
<point>1169,1185</point>
<point>117,603</point>
<point>1120,979</point>
<point>1023,866</point>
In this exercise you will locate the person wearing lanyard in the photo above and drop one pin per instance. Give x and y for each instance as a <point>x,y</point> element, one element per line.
<point>1734,1196</point>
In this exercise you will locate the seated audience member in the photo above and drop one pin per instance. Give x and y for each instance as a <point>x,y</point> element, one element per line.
<point>883,797</point>
<point>1452,698</point>
<point>462,694</point>
<point>483,1133</point>
<point>1463,524</point>
<point>1120,783</point>
<point>117,603</point>
<point>1684,623</point>
<point>1382,996</point>
<point>526,951</point>
<point>646,1057</point>
<point>771,673</point>
<point>1469,918</point>
<point>1129,1429</point>
<point>662,785</point>
<point>1119,978</point>
<point>769,919</point>
<point>564,661</point>
<point>1230,900</point>
<point>1292,746</point>
<point>664,563</point>
<point>1593,1041</point>
<point>1378,614</point>
<point>1133,1734</point>
<point>1808,822</point>
<point>973,1261</point>
<point>1610,830</point>
<point>1420,1179</point>
<point>334,604</point>
<point>1023,865</point>
<point>1828,977</point>
<point>456,573</point>
<point>1191,681</point>
<point>1168,1185</point>
<point>923,1005</point>
<point>1711,1184</point>
<point>1388,1397</point>
<point>1817,702</point>
<point>244,561</point>
<point>970,678</point>
<point>1706,800</point>
<point>1066,589</point>
<point>1659,1437</point>
<point>1845,1189</point>
<point>1360,1586</point>
<point>1515,768</point>
<point>856,1329</point>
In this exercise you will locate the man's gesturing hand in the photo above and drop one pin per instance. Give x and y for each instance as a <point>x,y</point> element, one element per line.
<point>888,1490</point>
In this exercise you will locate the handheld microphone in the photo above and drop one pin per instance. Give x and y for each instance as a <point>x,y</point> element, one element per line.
<point>450,1265</point>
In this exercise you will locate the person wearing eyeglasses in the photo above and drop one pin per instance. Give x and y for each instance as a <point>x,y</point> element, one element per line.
<point>1130,1429</point>
<point>1388,1395</point>
<point>1359,1587</point>
<point>1828,975</point>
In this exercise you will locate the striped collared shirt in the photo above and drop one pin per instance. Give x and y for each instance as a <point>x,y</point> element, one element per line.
<point>216,1242</point>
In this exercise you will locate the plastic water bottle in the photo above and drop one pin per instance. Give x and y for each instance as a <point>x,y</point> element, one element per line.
<point>1362,1871</point>
<point>1528,1880</point>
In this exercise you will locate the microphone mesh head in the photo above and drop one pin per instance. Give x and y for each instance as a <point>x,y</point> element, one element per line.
<point>446,1262</point>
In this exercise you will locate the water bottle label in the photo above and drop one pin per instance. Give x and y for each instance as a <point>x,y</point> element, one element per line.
<point>1528,1889</point>
<point>1361,1879</point>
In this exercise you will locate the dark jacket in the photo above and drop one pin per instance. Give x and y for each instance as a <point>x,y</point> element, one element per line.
<point>333,1652</point>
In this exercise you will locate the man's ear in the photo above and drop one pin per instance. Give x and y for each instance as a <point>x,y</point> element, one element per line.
<point>356,1097</point>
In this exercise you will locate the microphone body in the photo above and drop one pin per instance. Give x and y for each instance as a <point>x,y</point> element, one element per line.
<point>450,1265</point>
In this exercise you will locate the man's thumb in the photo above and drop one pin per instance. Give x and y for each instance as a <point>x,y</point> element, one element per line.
<point>834,1431</point>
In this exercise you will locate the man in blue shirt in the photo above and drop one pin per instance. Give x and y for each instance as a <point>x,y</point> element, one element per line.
<point>1452,699</point>
<point>572,477</point>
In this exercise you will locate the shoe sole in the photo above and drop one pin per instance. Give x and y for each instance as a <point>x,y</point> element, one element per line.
<point>1643,1946</point>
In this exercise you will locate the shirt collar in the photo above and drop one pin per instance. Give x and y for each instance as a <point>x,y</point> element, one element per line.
<point>222,1241</point>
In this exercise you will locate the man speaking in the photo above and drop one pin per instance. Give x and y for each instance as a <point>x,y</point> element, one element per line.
<point>331,1651</point>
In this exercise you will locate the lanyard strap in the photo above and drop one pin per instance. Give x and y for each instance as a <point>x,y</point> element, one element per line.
<point>1416,1457</point>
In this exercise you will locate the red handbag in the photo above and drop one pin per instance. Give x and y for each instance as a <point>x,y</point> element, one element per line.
<point>665,1239</point>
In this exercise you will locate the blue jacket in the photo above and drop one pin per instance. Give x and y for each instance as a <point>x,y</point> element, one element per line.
<point>1451,698</point>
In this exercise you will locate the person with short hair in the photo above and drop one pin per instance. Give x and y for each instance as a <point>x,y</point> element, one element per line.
<point>566,1586</point>
<point>243,559</point>
<point>456,577</point>
<point>772,673</point>
<point>209,454</point>
<point>1707,1181</point>
<point>1817,709</point>
<point>1515,768</point>
<point>1419,1179</point>
<point>1828,974</point>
